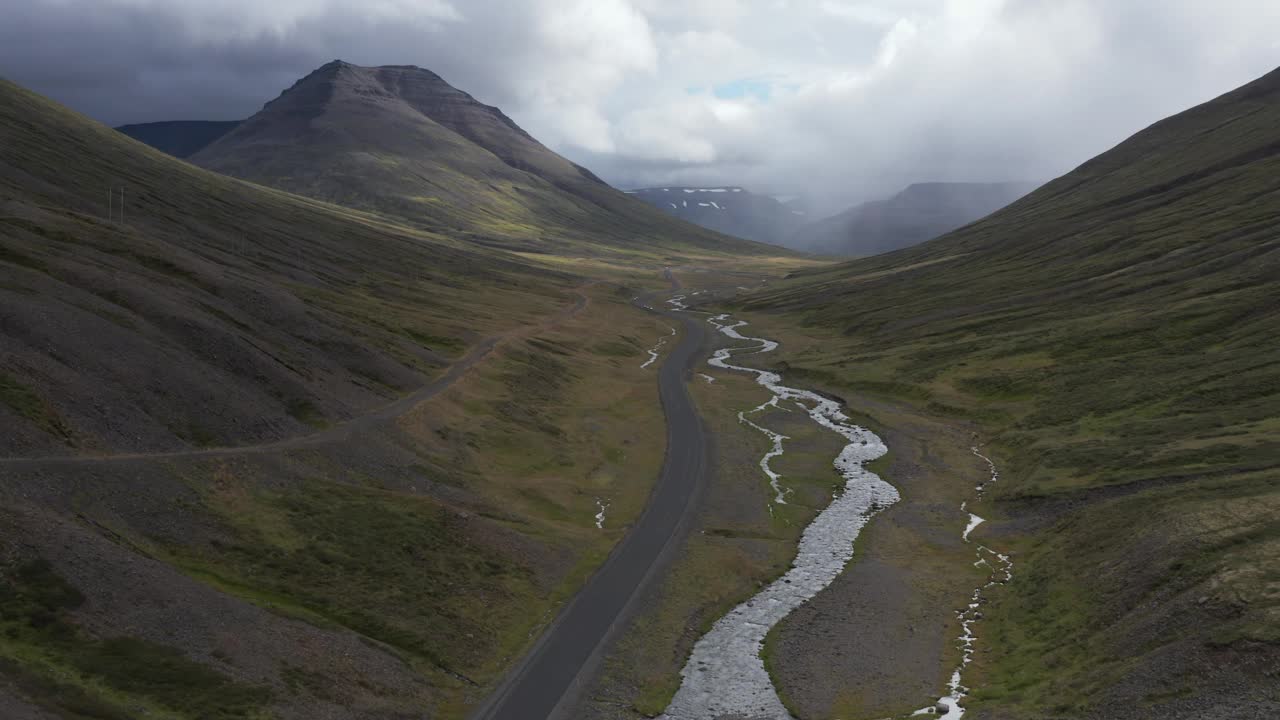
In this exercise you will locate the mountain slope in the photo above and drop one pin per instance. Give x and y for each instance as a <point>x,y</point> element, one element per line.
<point>921,212</point>
<point>179,138</point>
<point>266,457</point>
<point>217,313</point>
<point>400,141</point>
<point>729,210</point>
<point>1113,336</point>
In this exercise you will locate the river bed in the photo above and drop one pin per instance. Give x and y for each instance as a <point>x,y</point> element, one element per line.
<point>725,674</point>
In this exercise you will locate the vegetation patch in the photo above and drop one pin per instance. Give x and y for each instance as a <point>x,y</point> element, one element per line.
<point>79,676</point>
<point>397,568</point>
<point>27,403</point>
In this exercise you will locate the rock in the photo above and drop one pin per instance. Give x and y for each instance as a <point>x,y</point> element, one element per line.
<point>941,708</point>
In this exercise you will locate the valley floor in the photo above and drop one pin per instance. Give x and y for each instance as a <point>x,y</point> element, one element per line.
<point>876,642</point>
<point>403,564</point>
<point>390,566</point>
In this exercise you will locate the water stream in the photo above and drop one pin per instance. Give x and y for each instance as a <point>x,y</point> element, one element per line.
<point>725,674</point>
<point>653,354</point>
<point>1001,567</point>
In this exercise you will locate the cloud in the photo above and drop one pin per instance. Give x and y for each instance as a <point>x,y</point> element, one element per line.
<point>846,99</point>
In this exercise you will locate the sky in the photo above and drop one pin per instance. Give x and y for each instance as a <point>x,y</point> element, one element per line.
<point>839,100</point>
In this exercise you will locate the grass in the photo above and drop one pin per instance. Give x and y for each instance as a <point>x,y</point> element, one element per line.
<point>77,675</point>
<point>381,563</point>
<point>456,560</point>
<point>24,401</point>
<point>232,302</point>
<point>225,313</point>
<point>1110,335</point>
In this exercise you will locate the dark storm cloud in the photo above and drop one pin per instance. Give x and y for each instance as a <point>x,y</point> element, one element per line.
<point>848,98</point>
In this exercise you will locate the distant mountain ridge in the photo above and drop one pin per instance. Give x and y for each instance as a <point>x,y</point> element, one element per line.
<point>921,212</point>
<point>179,138</point>
<point>729,209</point>
<point>399,141</point>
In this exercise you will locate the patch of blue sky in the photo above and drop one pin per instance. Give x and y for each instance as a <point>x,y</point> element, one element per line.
<point>742,88</point>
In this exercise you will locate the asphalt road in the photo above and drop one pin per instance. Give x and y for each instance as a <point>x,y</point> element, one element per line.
<point>548,681</point>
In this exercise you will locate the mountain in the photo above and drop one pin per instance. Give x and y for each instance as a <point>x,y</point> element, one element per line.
<point>921,212</point>
<point>402,142</point>
<point>215,312</point>
<point>179,138</point>
<point>1111,340</point>
<point>729,210</point>
<point>266,456</point>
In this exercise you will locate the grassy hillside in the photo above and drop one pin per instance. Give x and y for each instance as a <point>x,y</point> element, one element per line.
<point>215,312</point>
<point>1114,335</point>
<point>402,142</point>
<point>234,481</point>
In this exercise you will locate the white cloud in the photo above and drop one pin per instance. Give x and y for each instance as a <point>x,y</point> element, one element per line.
<point>853,97</point>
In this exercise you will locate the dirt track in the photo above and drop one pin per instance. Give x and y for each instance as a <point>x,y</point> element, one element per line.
<point>339,431</point>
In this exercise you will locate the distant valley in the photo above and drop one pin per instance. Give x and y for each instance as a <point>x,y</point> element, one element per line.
<point>921,212</point>
<point>730,210</point>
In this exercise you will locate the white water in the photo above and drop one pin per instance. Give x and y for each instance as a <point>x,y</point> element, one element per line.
<point>724,674</point>
<point>706,377</point>
<point>974,521</point>
<point>1001,572</point>
<point>779,492</point>
<point>653,354</point>
<point>600,515</point>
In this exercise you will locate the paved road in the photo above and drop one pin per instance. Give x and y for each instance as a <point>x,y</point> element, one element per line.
<point>546,684</point>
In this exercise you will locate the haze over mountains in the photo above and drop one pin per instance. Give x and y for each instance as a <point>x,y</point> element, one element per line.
<point>731,210</point>
<point>921,212</point>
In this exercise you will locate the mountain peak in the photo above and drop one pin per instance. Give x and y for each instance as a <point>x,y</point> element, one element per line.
<point>401,140</point>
